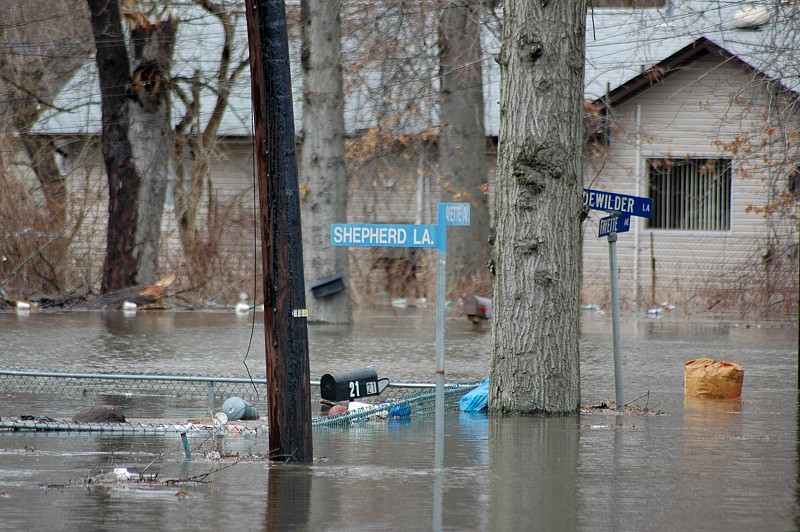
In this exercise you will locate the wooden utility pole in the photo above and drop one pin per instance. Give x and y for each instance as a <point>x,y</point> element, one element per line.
<point>285,327</point>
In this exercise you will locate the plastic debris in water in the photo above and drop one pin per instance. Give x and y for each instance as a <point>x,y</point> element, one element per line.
<point>399,302</point>
<point>186,449</point>
<point>242,306</point>
<point>400,411</point>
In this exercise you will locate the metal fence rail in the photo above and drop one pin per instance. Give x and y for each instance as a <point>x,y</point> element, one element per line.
<point>213,389</point>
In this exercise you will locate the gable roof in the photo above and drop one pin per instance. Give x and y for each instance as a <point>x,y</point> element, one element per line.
<point>698,49</point>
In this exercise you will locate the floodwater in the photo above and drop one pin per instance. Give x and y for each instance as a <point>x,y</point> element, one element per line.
<point>701,465</point>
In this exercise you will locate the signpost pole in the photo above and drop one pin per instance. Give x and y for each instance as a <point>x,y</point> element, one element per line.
<point>622,208</point>
<point>441,295</point>
<point>612,260</point>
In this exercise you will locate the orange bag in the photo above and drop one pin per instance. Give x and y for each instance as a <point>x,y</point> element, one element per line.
<point>704,377</point>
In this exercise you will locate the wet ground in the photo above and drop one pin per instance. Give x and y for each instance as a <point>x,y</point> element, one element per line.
<point>702,465</point>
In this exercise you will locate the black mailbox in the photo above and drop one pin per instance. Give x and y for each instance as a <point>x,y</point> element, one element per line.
<point>349,385</point>
<point>477,308</point>
<point>327,286</point>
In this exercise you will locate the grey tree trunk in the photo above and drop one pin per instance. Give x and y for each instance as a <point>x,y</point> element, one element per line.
<point>136,139</point>
<point>323,169</point>
<point>151,135</point>
<point>537,248</point>
<point>42,154</point>
<point>463,161</point>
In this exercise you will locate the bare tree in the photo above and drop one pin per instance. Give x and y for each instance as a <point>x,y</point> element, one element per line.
<point>43,47</point>
<point>196,142</point>
<point>463,160</point>
<point>324,172</point>
<point>537,247</point>
<point>135,133</point>
<point>152,44</point>
<point>119,270</point>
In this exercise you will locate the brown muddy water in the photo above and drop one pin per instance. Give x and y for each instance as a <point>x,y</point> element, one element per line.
<point>701,465</point>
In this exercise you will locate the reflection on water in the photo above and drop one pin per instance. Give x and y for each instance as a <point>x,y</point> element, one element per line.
<point>534,463</point>
<point>703,465</point>
<point>288,498</point>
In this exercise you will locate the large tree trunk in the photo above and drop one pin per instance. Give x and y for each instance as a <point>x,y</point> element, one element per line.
<point>537,248</point>
<point>151,135</point>
<point>119,270</point>
<point>462,143</point>
<point>324,190</point>
<point>137,138</point>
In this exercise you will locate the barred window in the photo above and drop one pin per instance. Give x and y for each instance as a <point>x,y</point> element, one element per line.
<point>690,194</point>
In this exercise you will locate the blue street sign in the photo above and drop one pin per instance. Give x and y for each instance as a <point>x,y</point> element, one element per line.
<point>384,235</point>
<point>614,224</point>
<point>455,213</point>
<point>610,201</point>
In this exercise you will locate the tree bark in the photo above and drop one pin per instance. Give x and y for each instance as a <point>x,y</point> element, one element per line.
<point>537,248</point>
<point>120,268</point>
<point>324,191</point>
<point>463,161</point>
<point>151,135</point>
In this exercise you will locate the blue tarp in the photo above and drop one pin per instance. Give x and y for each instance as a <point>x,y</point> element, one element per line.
<point>476,400</point>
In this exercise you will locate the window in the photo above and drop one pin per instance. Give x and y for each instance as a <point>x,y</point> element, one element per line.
<point>690,194</point>
<point>627,4</point>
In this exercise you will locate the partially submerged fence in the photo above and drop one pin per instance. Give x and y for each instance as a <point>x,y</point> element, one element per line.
<point>404,398</point>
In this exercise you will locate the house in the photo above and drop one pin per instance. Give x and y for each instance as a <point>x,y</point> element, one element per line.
<point>708,131</point>
<point>695,133</point>
<point>688,98</point>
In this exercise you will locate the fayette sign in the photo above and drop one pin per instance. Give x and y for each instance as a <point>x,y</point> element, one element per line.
<point>455,213</point>
<point>384,235</point>
<point>614,224</point>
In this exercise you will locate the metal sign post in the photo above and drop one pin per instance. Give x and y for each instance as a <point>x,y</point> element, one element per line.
<point>612,261</point>
<point>404,235</point>
<point>447,214</point>
<point>622,208</point>
<point>418,236</point>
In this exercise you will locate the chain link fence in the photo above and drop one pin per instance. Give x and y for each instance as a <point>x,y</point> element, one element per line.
<point>189,392</point>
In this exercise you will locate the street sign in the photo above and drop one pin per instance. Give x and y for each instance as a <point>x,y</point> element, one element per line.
<point>610,201</point>
<point>455,213</point>
<point>619,223</point>
<point>384,235</point>
<point>415,236</point>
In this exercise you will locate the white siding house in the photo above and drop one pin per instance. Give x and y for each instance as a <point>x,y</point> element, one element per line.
<point>695,133</point>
